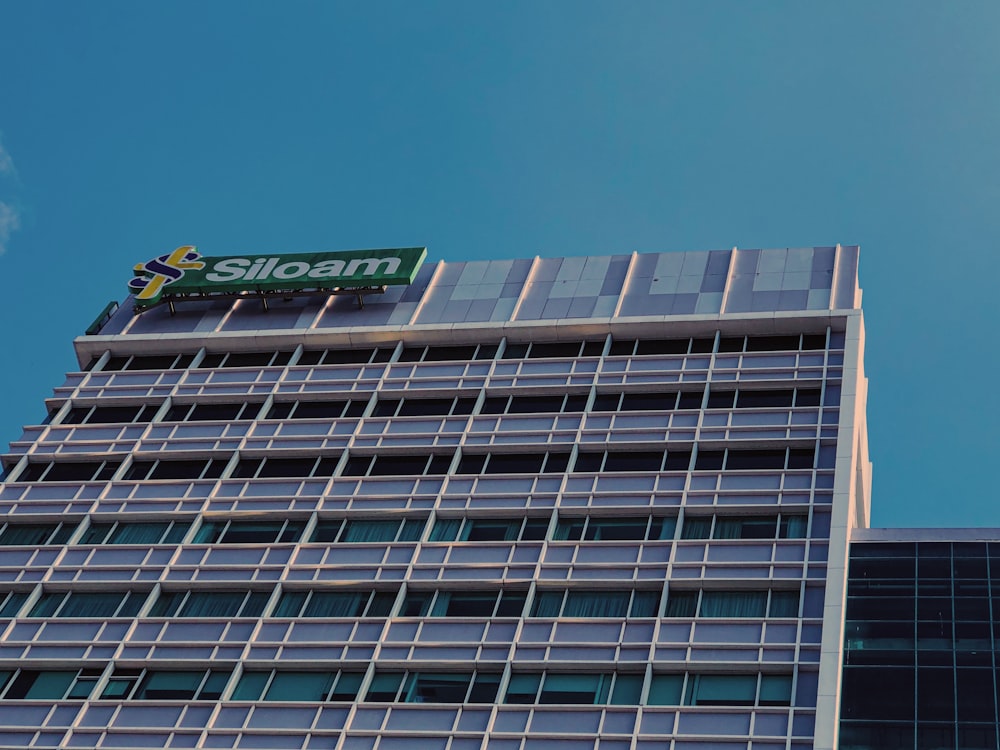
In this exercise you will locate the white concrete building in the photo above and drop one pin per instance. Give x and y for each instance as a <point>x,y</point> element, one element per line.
<point>596,503</point>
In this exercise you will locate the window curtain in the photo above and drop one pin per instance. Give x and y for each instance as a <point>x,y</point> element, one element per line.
<point>446,529</point>
<point>25,535</point>
<point>547,604</point>
<point>571,528</point>
<point>734,604</point>
<point>644,604</point>
<point>596,604</point>
<point>667,526</point>
<point>370,531</point>
<point>92,605</point>
<point>138,533</point>
<point>793,527</point>
<point>784,604</point>
<point>335,604</point>
<point>697,528</point>
<point>290,604</point>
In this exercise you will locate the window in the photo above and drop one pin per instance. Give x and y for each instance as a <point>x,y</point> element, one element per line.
<point>423,407</point>
<point>311,466</point>
<point>434,687</point>
<point>335,604</point>
<point>372,531</point>
<point>35,534</point>
<point>768,399</point>
<point>647,401</point>
<point>89,604</point>
<point>540,350</point>
<point>136,532</point>
<point>196,469</point>
<point>245,359</point>
<point>623,461</point>
<point>582,603</point>
<point>733,604</point>
<point>513,463</point>
<point>149,362</point>
<point>597,528</point>
<point>575,688</point>
<point>642,347</point>
<point>211,412</point>
<point>248,532</point>
<point>164,685</point>
<point>489,529</point>
<point>11,602</point>
<point>111,414</point>
<point>744,460</point>
<point>30,684</point>
<point>738,690</point>
<point>210,604</point>
<point>69,471</point>
<point>397,465</point>
<point>772,343</point>
<point>448,353</point>
<point>553,403</point>
<point>317,409</point>
<point>346,356</point>
<point>288,685</point>
<point>783,526</point>
<point>494,603</point>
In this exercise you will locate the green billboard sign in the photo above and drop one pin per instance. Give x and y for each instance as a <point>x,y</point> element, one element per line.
<point>186,272</point>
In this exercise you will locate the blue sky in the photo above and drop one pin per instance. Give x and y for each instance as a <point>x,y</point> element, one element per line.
<point>495,130</point>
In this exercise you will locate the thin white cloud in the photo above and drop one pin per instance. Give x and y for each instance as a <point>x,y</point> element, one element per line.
<point>10,213</point>
<point>6,163</point>
<point>10,221</point>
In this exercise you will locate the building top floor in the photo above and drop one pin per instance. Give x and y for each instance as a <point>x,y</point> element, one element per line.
<point>544,296</point>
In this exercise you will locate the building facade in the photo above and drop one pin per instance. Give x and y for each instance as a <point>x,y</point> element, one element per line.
<point>592,503</point>
<point>922,634</point>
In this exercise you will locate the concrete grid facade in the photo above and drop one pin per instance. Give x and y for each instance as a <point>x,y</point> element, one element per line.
<point>571,503</point>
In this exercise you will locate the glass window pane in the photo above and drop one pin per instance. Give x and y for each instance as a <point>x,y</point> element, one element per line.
<point>665,689</point>
<point>522,688</point>
<point>335,604</point>
<point>438,688</point>
<point>170,685</point>
<point>91,605</point>
<point>721,690</point>
<point>300,686</point>
<point>575,688</point>
<point>384,686</point>
<point>212,604</point>
<point>250,686</point>
<point>51,685</point>
<point>628,689</point>
<point>138,533</point>
<point>369,531</point>
<point>775,690</point>
<point>347,686</point>
<point>445,529</point>
<point>26,534</point>
<point>290,604</point>
<point>734,604</point>
<point>596,604</point>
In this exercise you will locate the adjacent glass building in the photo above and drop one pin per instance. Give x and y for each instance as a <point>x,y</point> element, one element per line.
<point>596,503</point>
